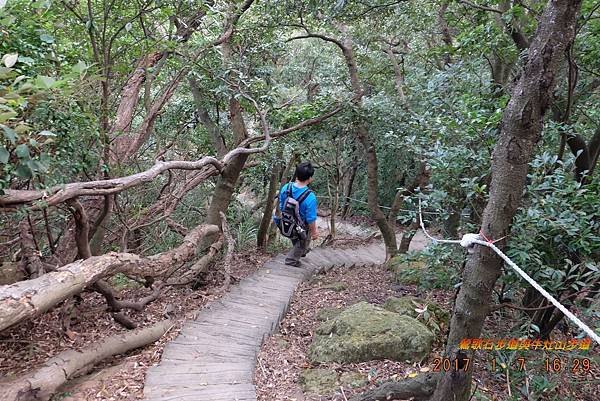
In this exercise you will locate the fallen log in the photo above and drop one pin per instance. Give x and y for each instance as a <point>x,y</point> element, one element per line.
<point>26,299</point>
<point>41,384</point>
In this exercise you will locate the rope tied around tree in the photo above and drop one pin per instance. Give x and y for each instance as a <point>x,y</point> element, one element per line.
<point>469,240</point>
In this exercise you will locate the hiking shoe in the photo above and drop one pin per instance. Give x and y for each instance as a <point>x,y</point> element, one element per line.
<point>295,263</point>
<point>306,253</point>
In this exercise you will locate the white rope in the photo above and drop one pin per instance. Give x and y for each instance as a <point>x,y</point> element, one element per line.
<point>468,240</point>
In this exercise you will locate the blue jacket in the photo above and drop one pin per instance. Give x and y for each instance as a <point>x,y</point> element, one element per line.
<point>308,208</point>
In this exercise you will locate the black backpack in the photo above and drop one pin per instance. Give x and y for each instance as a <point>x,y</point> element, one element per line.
<point>291,224</point>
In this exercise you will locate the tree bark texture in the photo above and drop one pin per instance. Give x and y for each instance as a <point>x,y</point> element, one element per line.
<point>521,127</point>
<point>229,176</point>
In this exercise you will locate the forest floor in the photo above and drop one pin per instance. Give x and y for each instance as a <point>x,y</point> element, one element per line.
<point>121,378</point>
<point>284,355</point>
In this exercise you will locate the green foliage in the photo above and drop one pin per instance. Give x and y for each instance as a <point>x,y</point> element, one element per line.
<point>556,237</point>
<point>32,141</point>
<point>442,265</point>
<point>243,226</point>
<point>121,281</point>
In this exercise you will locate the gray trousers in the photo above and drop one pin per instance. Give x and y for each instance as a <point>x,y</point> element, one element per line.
<point>299,249</point>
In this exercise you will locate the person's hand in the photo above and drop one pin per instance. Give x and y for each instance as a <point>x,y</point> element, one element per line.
<point>314,235</point>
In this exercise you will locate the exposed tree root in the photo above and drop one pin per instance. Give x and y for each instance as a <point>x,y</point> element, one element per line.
<point>41,384</point>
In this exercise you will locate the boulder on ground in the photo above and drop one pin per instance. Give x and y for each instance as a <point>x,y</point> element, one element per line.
<point>400,262</point>
<point>319,381</point>
<point>365,332</point>
<point>353,379</point>
<point>409,305</point>
<point>328,313</point>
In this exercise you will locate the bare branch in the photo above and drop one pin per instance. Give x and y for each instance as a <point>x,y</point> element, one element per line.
<point>319,36</point>
<point>59,194</point>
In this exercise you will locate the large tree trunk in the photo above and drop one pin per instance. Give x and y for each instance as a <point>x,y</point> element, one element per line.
<point>42,384</point>
<point>229,177</point>
<point>224,189</point>
<point>408,235</point>
<point>362,131</point>
<point>521,126</point>
<point>387,231</point>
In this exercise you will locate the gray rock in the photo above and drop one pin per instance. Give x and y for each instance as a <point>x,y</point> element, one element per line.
<point>319,381</point>
<point>365,332</point>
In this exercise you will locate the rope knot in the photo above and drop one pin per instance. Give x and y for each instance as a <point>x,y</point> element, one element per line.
<point>468,240</point>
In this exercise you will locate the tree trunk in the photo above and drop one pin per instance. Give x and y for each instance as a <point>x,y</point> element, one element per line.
<point>335,201</point>
<point>224,189</point>
<point>42,384</point>
<point>387,231</point>
<point>408,235</point>
<point>452,223</point>
<point>521,127</point>
<point>445,30</point>
<point>586,155</point>
<point>211,127</point>
<point>227,181</point>
<point>265,222</point>
<point>348,192</point>
<point>31,262</point>
<point>398,73</point>
<point>418,389</point>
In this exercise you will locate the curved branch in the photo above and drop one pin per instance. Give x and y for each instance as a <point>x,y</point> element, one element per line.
<point>319,36</point>
<point>62,193</point>
<point>300,125</point>
<point>59,194</point>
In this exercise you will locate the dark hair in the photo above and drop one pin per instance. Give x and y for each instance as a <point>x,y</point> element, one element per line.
<point>304,171</point>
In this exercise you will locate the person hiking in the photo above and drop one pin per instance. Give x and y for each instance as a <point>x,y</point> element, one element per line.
<point>298,206</point>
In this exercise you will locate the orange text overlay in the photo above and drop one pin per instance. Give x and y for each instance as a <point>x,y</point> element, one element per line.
<point>515,344</point>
